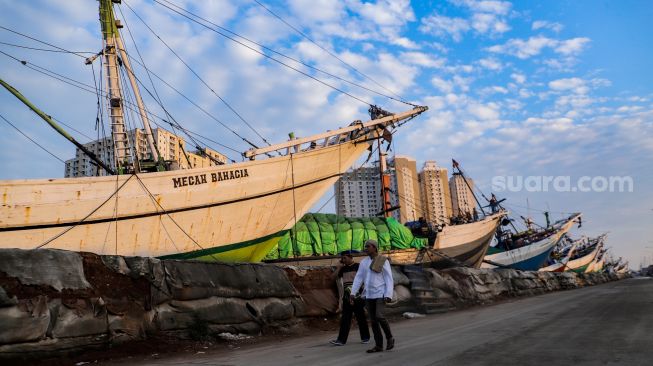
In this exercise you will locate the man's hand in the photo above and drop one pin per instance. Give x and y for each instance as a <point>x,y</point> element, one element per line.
<point>351,299</point>
<point>387,299</point>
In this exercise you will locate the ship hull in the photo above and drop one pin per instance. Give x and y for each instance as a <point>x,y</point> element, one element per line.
<point>556,267</point>
<point>235,212</point>
<point>583,263</point>
<point>530,257</point>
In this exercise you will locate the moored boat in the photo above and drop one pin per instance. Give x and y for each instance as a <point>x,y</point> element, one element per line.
<point>561,265</point>
<point>585,257</point>
<point>530,257</point>
<point>231,212</point>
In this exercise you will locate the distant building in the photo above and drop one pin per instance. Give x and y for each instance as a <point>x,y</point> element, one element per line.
<point>358,193</point>
<point>435,194</point>
<point>462,198</point>
<point>170,146</point>
<point>405,191</point>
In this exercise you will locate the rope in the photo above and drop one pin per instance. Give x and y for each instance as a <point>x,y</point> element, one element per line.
<point>429,251</point>
<point>334,55</point>
<point>87,87</point>
<point>398,99</point>
<point>157,99</point>
<point>170,217</point>
<point>45,43</point>
<point>270,57</point>
<point>87,216</point>
<point>156,95</point>
<point>29,138</point>
<point>41,49</point>
<point>93,89</point>
<point>197,75</point>
<point>294,205</point>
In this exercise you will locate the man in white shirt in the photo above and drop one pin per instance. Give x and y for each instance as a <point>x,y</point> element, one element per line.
<point>375,274</point>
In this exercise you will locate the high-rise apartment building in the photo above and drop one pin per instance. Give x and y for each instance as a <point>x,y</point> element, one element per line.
<point>358,193</point>
<point>462,198</point>
<point>435,194</point>
<point>170,146</point>
<point>405,191</point>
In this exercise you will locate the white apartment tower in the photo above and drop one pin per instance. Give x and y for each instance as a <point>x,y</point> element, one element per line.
<point>358,193</point>
<point>171,148</point>
<point>462,199</point>
<point>435,194</point>
<point>405,191</point>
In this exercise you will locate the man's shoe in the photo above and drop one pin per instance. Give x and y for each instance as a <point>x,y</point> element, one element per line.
<point>337,342</point>
<point>391,344</point>
<point>365,341</point>
<point>375,349</point>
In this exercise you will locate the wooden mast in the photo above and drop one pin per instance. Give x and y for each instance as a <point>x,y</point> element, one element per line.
<point>385,181</point>
<point>121,151</point>
<point>139,102</point>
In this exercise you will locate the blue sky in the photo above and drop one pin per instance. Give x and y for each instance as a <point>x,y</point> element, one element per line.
<point>553,88</point>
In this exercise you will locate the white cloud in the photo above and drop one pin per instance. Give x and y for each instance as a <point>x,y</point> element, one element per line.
<point>524,48</point>
<point>487,6</point>
<point>514,104</point>
<point>629,108</point>
<point>317,10</point>
<point>489,23</point>
<point>386,12</point>
<point>423,59</point>
<point>491,63</point>
<point>494,90</point>
<point>525,93</point>
<point>442,26</point>
<point>488,111</point>
<point>487,18</point>
<point>572,46</point>
<point>381,21</point>
<point>555,124</point>
<point>577,85</point>
<point>518,77</point>
<point>533,46</point>
<point>543,24</point>
<point>443,85</point>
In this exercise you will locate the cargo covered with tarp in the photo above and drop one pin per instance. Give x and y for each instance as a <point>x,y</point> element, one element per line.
<point>328,234</point>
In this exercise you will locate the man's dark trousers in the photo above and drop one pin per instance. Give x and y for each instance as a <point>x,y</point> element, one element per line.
<point>376,308</point>
<point>348,310</point>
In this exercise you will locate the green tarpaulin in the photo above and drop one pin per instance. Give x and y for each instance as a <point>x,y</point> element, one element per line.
<point>328,234</point>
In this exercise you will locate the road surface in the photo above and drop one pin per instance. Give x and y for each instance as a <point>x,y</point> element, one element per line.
<point>610,324</point>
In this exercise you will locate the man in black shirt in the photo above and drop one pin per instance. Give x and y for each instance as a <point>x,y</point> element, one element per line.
<point>347,271</point>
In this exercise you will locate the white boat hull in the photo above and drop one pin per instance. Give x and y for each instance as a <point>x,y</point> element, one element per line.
<point>529,257</point>
<point>582,264</point>
<point>216,210</point>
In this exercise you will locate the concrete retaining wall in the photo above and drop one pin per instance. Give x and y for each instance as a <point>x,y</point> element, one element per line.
<point>55,302</point>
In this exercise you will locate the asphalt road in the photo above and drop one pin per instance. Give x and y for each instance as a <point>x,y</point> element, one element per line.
<point>610,324</point>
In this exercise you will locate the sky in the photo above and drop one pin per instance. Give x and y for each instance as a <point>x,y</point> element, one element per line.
<point>523,89</point>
